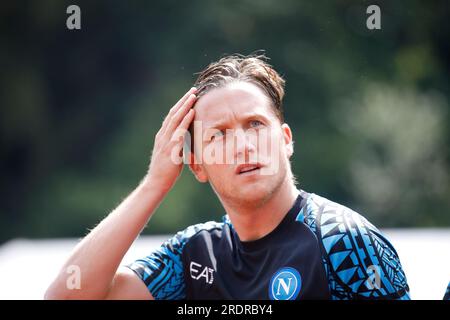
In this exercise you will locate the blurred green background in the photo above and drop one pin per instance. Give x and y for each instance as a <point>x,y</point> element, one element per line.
<point>79,109</point>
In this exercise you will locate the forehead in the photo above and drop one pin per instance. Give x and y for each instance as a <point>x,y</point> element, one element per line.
<point>233,100</point>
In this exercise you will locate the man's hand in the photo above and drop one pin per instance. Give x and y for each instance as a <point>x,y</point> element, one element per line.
<point>116,233</point>
<point>163,170</point>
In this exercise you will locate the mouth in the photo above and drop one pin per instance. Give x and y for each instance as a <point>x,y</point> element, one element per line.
<point>247,169</point>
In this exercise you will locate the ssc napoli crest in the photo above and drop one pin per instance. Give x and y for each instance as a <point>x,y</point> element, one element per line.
<point>285,284</point>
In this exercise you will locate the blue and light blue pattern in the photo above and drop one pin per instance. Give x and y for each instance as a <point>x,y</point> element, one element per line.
<point>162,270</point>
<point>354,253</point>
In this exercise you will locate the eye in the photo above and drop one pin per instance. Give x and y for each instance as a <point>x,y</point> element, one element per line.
<point>255,123</point>
<point>217,134</point>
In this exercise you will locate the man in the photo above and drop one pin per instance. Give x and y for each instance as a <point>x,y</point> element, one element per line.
<point>275,242</point>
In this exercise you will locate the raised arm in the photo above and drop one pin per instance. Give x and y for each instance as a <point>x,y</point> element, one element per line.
<point>100,253</point>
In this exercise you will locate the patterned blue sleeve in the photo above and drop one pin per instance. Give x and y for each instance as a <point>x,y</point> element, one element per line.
<point>162,270</point>
<point>360,262</point>
<point>447,293</point>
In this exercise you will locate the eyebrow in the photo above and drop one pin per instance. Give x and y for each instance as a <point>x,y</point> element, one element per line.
<point>244,117</point>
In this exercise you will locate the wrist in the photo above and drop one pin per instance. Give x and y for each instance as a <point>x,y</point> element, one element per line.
<point>154,185</point>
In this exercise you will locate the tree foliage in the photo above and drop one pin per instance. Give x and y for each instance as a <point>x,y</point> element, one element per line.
<point>79,108</point>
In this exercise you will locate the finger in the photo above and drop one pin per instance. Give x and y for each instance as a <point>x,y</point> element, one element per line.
<point>177,106</point>
<point>187,120</point>
<point>184,125</point>
<point>183,128</point>
<point>180,114</point>
<point>183,100</point>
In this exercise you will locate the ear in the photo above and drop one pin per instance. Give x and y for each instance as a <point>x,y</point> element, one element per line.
<point>197,169</point>
<point>287,137</point>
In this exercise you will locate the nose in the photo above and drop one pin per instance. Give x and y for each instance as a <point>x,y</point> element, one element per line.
<point>245,148</point>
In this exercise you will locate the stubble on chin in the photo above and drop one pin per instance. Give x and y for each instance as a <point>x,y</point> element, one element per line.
<point>238,198</point>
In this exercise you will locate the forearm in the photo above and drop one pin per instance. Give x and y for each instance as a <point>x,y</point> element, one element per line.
<point>99,254</point>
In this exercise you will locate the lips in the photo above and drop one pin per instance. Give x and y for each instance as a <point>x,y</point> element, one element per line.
<point>246,168</point>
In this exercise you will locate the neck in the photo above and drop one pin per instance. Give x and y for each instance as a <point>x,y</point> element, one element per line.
<point>254,222</point>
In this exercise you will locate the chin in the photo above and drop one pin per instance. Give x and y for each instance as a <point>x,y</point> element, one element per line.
<point>250,191</point>
<point>253,193</point>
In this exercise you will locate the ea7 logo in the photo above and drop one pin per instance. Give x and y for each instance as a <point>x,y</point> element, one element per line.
<point>197,271</point>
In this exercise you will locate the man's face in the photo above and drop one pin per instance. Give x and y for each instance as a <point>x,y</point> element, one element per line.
<point>244,147</point>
